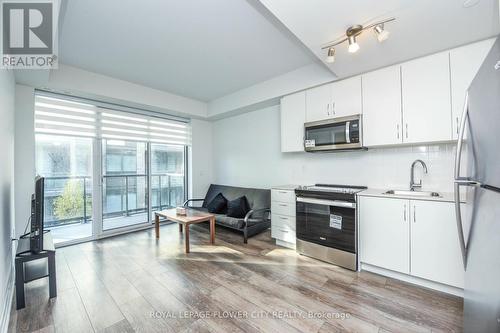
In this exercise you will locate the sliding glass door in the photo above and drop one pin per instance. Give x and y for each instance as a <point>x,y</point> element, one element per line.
<point>106,170</point>
<point>66,164</point>
<point>168,177</point>
<point>125,183</point>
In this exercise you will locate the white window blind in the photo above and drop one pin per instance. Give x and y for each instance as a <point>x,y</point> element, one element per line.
<point>62,116</point>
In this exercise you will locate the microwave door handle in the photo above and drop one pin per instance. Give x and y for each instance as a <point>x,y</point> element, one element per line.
<point>348,131</point>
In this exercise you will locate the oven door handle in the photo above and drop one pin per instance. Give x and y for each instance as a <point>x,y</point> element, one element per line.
<point>335,203</point>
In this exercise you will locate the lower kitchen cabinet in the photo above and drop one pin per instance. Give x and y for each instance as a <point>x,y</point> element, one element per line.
<point>414,237</point>
<point>283,216</point>
<point>435,249</point>
<point>384,233</point>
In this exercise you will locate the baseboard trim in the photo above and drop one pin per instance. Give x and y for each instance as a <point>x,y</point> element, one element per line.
<point>414,280</point>
<point>7,303</point>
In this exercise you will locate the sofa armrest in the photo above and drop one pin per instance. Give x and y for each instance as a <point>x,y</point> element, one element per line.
<point>191,200</point>
<point>253,211</point>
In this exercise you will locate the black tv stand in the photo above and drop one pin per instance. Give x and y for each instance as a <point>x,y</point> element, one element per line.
<point>29,268</point>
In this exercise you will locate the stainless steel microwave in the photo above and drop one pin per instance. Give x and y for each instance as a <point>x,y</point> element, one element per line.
<point>343,133</point>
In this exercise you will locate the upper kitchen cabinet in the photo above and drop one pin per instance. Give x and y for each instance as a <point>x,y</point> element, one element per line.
<point>346,97</point>
<point>464,64</point>
<point>293,117</point>
<point>337,99</point>
<point>382,107</point>
<point>318,103</point>
<point>426,99</point>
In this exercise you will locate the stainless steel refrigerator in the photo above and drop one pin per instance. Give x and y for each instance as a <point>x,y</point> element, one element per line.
<point>477,181</point>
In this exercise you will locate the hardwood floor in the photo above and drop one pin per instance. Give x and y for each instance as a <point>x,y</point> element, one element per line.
<point>135,283</point>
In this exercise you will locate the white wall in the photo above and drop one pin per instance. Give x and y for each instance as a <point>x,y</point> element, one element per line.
<point>201,158</point>
<point>7,89</point>
<point>24,154</point>
<point>247,153</point>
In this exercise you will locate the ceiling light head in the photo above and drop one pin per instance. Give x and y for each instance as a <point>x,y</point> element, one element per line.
<point>331,55</point>
<point>381,33</point>
<point>351,34</point>
<point>353,45</point>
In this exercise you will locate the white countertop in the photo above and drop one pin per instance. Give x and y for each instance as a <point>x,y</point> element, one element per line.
<point>289,187</point>
<point>372,192</point>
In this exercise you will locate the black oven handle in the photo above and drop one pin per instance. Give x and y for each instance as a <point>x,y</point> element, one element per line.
<point>335,203</point>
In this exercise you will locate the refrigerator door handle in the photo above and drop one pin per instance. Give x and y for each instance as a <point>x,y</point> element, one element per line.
<point>461,181</point>
<point>458,155</point>
<point>458,214</point>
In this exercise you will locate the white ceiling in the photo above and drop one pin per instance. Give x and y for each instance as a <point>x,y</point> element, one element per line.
<point>421,27</point>
<point>195,48</point>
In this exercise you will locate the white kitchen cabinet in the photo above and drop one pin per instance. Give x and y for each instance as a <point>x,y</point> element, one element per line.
<point>337,99</point>
<point>384,233</point>
<point>283,216</point>
<point>464,64</point>
<point>318,103</point>
<point>415,237</point>
<point>435,249</point>
<point>293,117</point>
<point>426,99</point>
<point>346,97</point>
<point>382,107</point>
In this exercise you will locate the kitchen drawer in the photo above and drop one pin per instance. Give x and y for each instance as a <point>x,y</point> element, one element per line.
<point>283,208</point>
<point>282,221</point>
<point>283,195</point>
<point>283,233</point>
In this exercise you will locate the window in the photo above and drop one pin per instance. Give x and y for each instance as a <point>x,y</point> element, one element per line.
<point>139,156</point>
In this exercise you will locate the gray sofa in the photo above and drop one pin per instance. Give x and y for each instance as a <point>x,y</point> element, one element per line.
<point>255,221</point>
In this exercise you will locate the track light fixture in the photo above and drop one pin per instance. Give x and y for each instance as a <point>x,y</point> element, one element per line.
<point>331,55</point>
<point>351,34</point>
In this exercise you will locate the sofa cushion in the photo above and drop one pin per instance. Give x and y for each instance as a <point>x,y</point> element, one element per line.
<point>231,222</point>
<point>238,207</point>
<point>218,205</point>
<point>256,198</point>
<point>228,221</point>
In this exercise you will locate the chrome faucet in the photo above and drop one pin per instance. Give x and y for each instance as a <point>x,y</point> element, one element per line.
<point>414,185</point>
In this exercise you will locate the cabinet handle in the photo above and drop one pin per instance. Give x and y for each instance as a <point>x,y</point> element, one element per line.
<point>407,130</point>
<point>404,213</point>
<point>397,130</point>
<point>333,107</point>
<point>283,192</point>
<point>283,218</point>
<point>285,231</point>
<point>283,205</point>
<point>414,214</point>
<point>458,125</point>
<point>328,109</point>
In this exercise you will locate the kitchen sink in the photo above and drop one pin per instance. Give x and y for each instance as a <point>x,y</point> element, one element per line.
<point>413,193</point>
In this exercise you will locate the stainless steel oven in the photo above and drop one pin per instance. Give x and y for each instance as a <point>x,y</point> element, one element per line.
<point>326,223</point>
<point>342,133</point>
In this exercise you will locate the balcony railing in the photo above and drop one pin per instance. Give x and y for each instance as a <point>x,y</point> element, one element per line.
<point>167,191</point>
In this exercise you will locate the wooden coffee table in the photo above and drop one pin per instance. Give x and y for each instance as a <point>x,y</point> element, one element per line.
<point>192,216</point>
